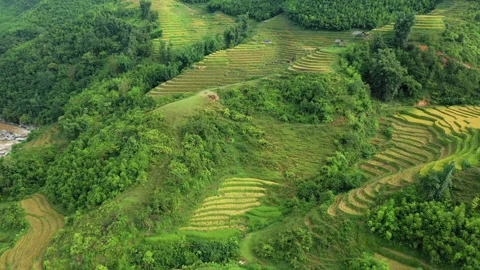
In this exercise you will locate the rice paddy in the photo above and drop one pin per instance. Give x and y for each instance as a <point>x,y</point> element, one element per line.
<point>294,41</point>
<point>183,24</point>
<point>424,139</point>
<point>277,45</point>
<point>318,61</point>
<point>225,67</point>
<point>29,250</point>
<point>422,22</point>
<point>236,197</point>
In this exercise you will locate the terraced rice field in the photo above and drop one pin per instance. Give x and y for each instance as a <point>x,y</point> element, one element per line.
<point>29,250</point>
<point>242,63</point>
<point>276,44</point>
<point>182,24</point>
<point>236,196</point>
<point>318,61</point>
<point>393,264</point>
<point>424,139</point>
<point>302,47</point>
<point>294,42</point>
<point>422,22</point>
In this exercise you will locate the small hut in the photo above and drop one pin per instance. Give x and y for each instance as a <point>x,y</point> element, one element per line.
<point>340,42</point>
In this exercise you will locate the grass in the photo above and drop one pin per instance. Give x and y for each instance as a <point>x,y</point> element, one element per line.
<point>176,112</point>
<point>246,248</point>
<point>298,150</point>
<point>393,264</point>
<point>29,250</point>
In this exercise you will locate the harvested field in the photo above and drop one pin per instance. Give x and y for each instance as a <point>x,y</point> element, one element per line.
<point>29,250</point>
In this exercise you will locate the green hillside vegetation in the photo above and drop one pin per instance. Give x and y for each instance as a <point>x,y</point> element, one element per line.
<point>177,137</point>
<point>260,10</point>
<point>41,75</point>
<point>322,14</point>
<point>13,224</point>
<point>340,15</point>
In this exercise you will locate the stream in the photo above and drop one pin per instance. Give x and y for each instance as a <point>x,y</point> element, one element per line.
<point>10,135</point>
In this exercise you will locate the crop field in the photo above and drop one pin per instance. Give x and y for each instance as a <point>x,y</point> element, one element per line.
<point>277,43</point>
<point>424,139</point>
<point>225,67</point>
<point>29,250</point>
<point>294,41</point>
<point>236,197</point>
<point>182,24</point>
<point>318,61</point>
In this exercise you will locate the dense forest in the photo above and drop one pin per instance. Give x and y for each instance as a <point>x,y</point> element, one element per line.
<point>340,15</point>
<point>132,173</point>
<point>326,14</point>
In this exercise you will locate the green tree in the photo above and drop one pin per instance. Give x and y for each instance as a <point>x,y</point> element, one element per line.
<point>386,75</point>
<point>403,28</point>
<point>436,185</point>
<point>148,260</point>
<point>145,6</point>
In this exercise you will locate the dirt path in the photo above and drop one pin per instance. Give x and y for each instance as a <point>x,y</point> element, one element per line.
<point>393,264</point>
<point>332,210</point>
<point>399,254</point>
<point>309,224</point>
<point>29,250</point>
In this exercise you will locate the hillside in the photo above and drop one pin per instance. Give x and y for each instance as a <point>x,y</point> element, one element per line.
<point>241,135</point>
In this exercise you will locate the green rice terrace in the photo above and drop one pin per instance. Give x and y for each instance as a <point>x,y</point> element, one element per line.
<point>422,22</point>
<point>277,44</point>
<point>423,139</point>
<point>236,196</point>
<point>182,24</point>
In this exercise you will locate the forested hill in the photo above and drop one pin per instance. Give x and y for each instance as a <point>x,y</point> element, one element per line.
<point>326,14</point>
<point>345,14</point>
<point>57,48</point>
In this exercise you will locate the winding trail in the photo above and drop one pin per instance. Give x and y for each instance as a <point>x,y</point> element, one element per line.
<point>30,248</point>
